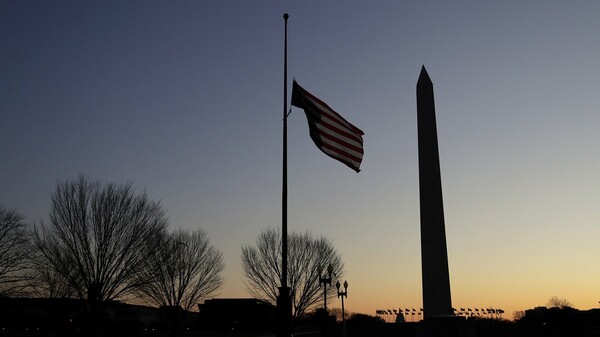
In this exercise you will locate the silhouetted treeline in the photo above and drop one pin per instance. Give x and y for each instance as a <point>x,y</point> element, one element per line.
<point>561,317</point>
<point>70,317</point>
<point>105,242</point>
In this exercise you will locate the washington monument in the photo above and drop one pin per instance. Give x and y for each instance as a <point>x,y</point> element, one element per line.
<point>434,257</point>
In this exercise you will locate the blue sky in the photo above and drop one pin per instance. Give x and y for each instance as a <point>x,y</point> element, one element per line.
<point>184,99</point>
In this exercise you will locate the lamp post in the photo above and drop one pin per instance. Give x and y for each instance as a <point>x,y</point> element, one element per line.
<point>325,280</point>
<point>343,294</point>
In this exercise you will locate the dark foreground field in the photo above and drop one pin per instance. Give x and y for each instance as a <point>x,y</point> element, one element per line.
<point>381,330</point>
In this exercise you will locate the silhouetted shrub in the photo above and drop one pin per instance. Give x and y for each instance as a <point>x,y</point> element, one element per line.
<point>363,319</point>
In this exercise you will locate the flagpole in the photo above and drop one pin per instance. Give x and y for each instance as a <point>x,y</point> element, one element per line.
<point>284,189</point>
<point>284,303</point>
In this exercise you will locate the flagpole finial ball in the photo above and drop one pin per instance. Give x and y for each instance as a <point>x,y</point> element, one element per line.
<point>285,16</point>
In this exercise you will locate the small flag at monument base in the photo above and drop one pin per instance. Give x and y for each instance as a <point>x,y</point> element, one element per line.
<point>330,132</point>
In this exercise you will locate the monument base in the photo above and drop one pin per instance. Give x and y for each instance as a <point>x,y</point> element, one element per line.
<point>445,326</point>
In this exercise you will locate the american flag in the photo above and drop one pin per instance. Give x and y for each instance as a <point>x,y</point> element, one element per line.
<point>332,134</point>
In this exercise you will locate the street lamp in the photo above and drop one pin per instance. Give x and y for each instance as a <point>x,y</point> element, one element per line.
<point>342,294</point>
<point>325,280</point>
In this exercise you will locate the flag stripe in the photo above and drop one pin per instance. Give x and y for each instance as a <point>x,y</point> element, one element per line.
<point>324,106</point>
<point>334,149</point>
<point>338,129</point>
<point>343,135</point>
<point>335,118</point>
<point>341,148</point>
<point>330,114</point>
<point>330,132</point>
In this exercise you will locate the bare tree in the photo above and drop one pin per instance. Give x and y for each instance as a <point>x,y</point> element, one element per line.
<point>45,281</point>
<point>306,255</point>
<point>100,237</point>
<point>560,303</point>
<point>13,252</point>
<point>337,313</point>
<point>518,315</point>
<point>184,270</point>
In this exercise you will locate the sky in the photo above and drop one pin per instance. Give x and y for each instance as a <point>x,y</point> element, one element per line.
<point>184,99</point>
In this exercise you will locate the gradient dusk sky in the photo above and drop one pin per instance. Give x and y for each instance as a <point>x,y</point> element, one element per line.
<point>184,99</point>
